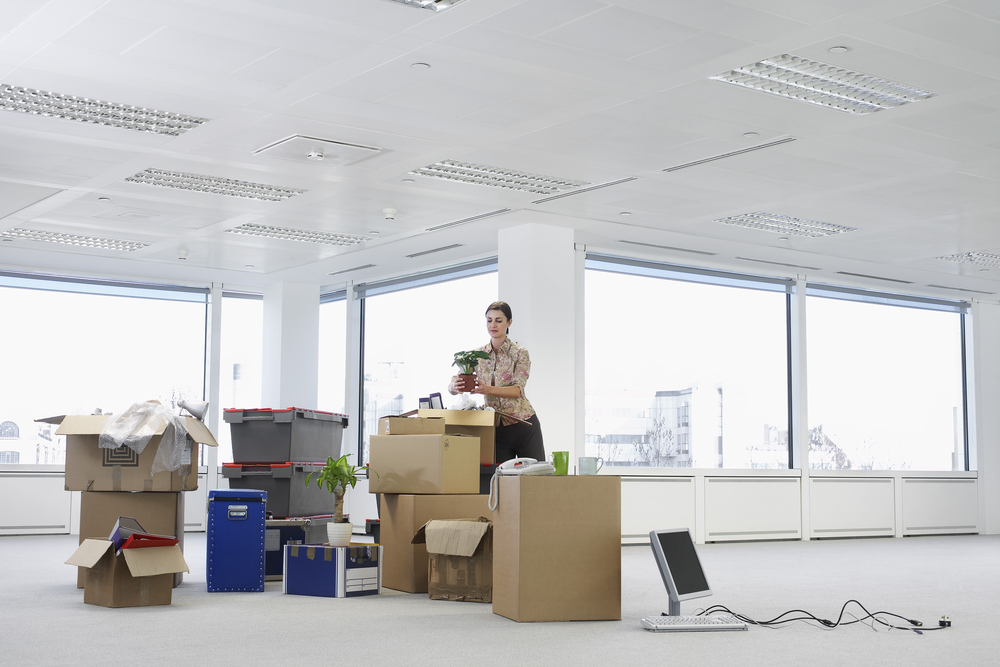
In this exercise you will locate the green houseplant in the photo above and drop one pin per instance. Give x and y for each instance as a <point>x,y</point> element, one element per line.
<point>467,362</point>
<point>335,476</point>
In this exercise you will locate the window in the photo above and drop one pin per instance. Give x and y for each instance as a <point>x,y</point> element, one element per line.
<point>685,367</point>
<point>411,335</point>
<point>241,358</point>
<point>333,356</point>
<point>76,346</point>
<point>885,382</point>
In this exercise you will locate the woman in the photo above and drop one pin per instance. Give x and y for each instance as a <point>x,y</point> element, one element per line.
<point>501,379</point>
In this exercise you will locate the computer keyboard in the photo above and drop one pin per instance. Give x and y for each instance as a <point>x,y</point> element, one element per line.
<point>692,623</point>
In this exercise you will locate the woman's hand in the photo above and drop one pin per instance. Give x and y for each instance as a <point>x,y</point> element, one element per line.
<point>484,389</point>
<point>453,386</point>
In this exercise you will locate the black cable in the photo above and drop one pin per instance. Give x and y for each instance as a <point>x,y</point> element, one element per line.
<point>915,626</point>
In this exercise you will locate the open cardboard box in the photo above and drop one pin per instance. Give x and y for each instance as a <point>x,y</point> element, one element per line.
<point>459,559</point>
<point>90,468</point>
<point>410,425</point>
<point>132,578</point>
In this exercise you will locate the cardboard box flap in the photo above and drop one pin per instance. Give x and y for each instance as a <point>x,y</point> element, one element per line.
<point>89,553</point>
<point>151,561</point>
<point>462,417</point>
<point>82,425</point>
<point>199,432</point>
<point>457,537</point>
<point>58,419</point>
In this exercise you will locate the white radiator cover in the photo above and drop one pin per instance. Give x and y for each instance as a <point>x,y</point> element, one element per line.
<point>934,506</point>
<point>34,503</point>
<point>656,503</point>
<point>752,508</point>
<point>852,507</point>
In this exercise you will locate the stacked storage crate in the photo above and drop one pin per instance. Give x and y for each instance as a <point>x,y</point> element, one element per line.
<point>427,468</point>
<point>273,451</point>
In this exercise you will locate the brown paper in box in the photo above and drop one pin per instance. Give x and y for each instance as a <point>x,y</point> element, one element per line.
<point>460,559</point>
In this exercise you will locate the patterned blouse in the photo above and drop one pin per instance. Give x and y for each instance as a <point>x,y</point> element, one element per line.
<point>506,368</point>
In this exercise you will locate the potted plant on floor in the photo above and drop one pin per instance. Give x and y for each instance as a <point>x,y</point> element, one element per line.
<point>335,476</point>
<point>467,362</point>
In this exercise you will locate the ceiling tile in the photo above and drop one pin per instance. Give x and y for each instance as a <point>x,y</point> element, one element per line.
<point>281,67</point>
<point>720,16</point>
<point>619,33</point>
<point>530,19</point>
<point>102,31</point>
<point>691,51</point>
<point>954,26</point>
<point>187,48</point>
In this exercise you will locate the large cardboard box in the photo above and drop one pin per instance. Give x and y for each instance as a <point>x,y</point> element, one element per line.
<point>557,548</point>
<point>410,425</point>
<point>459,559</point>
<point>90,468</point>
<point>159,513</point>
<point>332,572</point>
<point>132,578</point>
<point>404,565</point>
<point>444,464</point>
<point>477,423</point>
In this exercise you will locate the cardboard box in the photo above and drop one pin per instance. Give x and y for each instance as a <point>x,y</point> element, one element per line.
<point>405,564</point>
<point>477,423</point>
<point>460,559</point>
<point>439,464</point>
<point>411,426</point>
<point>160,513</point>
<point>132,578</point>
<point>332,572</point>
<point>557,548</point>
<point>90,468</point>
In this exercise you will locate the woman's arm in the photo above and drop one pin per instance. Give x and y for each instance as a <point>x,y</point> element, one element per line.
<point>513,391</point>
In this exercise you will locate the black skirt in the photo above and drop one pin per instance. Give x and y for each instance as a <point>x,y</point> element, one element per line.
<point>520,441</point>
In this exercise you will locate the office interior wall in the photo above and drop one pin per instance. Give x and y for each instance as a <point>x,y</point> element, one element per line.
<point>289,373</point>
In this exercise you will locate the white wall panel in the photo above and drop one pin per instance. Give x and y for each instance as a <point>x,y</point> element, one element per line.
<point>934,506</point>
<point>752,508</point>
<point>196,506</point>
<point>34,503</point>
<point>654,503</point>
<point>852,507</point>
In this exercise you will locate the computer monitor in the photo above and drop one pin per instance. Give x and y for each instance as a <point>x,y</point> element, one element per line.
<point>679,566</point>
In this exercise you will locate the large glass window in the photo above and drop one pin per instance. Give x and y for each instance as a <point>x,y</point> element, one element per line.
<point>333,356</point>
<point>885,386</point>
<point>410,339</point>
<point>685,374</point>
<point>72,347</point>
<point>241,356</point>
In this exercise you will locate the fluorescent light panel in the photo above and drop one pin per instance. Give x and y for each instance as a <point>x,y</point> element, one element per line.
<point>497,177</point>
<point>989,259</point>
<point>783,224</point>
<point>304,235</point>
<point>433,5</point>
<point>73,239</point>
<point>823,84</point>
<point>213,185</point>
<point>85,110</point>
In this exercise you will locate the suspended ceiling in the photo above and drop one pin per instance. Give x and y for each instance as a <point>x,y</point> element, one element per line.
<point>612,93</point>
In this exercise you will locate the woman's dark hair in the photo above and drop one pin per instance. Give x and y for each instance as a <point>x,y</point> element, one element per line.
<point>503,308</point>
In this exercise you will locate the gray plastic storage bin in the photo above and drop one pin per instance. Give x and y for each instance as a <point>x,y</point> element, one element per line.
<point>285,483</point>
<point>264,435</point>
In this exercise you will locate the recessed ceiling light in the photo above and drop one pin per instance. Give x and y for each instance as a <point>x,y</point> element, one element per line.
<point>750,135</point>
<point>374,232</point>
<point>432,5</point>
<point>838,49</point>
<point>409,180</point>
<point>104,199</point>
<point>248,266</point>
<point>72,239</point>
<point>421,65</point>
<point>783,238</point>
<point>823,84</point>
<point>783,224</point>
<point>497,177</point>
<point>625,213</point>
<point>987,259</point>
<point>85,110</point>
<point>213,185</point>
<point>289,234</point>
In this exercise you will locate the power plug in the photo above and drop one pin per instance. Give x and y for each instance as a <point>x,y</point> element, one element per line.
<point>945,622</point>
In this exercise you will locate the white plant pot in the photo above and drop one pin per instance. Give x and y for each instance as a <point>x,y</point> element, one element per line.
<point>339,534</point>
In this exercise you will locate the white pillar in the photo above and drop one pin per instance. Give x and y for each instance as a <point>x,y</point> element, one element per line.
<point>538,278</point>
<point>214,373</point>
<point>353,404</point>
<point>983,363</point>
<point>798,437</point>
<point>290,373</point>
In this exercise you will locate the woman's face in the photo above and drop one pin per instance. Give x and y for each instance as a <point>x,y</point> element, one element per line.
<point>496,324</point>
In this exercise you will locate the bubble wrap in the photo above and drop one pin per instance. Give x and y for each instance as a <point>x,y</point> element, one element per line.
<point>138,424</point>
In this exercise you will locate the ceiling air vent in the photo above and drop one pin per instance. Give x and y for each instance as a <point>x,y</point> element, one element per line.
<point>865,275</point>
<point>353,268</point>
<point>723,156</point>
<point>668,247</point>
<point>792,266</point>
<point>961,289</point>
<point>329,153</point>
<point>465,221</point>
<point>445,247</point>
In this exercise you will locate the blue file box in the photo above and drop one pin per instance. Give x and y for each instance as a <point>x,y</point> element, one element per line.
<point>236,532</point>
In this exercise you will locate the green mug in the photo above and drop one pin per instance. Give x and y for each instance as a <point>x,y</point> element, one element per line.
<point>560,460</point>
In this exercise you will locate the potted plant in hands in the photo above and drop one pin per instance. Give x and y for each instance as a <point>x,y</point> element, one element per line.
<point>335,476</point>
<point>467,362</point>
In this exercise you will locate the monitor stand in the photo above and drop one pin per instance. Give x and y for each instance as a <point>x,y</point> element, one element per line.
<point>675,608</point>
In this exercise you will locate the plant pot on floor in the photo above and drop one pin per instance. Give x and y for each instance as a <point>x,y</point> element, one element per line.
<point>339,534</point>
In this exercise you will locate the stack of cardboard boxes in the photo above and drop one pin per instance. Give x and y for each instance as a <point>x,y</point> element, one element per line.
<point>119,482</point>
<point>428,467</point>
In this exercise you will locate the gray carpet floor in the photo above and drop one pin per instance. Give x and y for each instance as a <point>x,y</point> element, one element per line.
<point>43,620</point>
